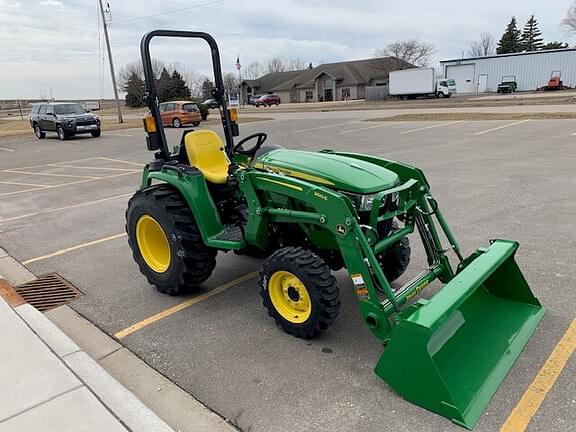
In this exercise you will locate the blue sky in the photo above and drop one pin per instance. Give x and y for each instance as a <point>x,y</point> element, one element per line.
<point>53,45</point>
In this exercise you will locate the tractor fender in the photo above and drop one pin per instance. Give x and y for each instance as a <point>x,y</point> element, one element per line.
<point>194,190</point>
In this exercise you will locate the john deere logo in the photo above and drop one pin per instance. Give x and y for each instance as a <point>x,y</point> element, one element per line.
<point>320,195</point>
<point>341,229</point>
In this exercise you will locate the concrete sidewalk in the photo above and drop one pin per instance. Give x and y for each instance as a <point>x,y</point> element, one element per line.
<point>47,383</point>
<point>60,373</point>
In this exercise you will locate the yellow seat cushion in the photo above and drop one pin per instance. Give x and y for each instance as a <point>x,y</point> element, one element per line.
<point>205,151</point>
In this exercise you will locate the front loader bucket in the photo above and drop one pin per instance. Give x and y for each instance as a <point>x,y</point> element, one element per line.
<point>449,354</point>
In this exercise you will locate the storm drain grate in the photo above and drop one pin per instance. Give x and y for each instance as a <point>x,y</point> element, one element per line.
<point>48,291</point>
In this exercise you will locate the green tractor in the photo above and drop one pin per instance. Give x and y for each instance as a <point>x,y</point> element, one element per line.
<point>312,213</point>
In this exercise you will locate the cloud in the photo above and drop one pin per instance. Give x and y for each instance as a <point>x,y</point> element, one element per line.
<point>7,4</point>
<point>68,46</point>
<point>54,3</point>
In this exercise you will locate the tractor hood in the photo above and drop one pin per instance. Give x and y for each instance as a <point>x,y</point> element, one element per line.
<point>330,170</point>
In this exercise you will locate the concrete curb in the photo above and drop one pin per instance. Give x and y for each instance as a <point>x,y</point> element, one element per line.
<point>115,398</point>
<point>137,395</point>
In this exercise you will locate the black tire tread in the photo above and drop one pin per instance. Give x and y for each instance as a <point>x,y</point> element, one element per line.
<point>198,260</point>
<point>320,284</point>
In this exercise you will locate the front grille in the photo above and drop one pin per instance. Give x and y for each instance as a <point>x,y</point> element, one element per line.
<point>85,122</point>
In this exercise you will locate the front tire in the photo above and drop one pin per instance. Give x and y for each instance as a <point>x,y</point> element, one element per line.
<point>96,133</point>
<point>177,123</point>
<point>166,242</point>
<point>38,132</point>
<point>395,260</point>
<point>299,291</point>
<point>62,134</point>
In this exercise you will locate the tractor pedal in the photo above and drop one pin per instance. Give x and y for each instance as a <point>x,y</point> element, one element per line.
<point>231,233</point>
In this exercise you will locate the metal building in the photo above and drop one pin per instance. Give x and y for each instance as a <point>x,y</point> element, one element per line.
<point>532,70</point>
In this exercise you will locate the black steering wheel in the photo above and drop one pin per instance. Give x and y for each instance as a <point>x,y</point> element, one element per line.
<point>261,138</point>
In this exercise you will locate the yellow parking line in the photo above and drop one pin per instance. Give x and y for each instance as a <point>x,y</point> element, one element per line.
<point>73,248</point>
<point>167,312</point>
<point>83,204</point>
<point>69,184</point>
<point>528,405</point>
<point>501,127</point>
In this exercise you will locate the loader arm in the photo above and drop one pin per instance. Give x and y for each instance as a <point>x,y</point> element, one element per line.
<point>448,353</point>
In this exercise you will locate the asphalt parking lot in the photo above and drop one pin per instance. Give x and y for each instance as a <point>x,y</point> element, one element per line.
<point>62,209</point>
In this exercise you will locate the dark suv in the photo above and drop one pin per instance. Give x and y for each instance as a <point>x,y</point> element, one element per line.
<point>65,118</point>
<point>267,100</point>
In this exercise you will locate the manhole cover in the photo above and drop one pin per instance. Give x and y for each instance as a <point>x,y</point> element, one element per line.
<point>48,291</point>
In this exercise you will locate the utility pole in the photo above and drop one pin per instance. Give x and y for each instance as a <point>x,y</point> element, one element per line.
<point>120,120</point>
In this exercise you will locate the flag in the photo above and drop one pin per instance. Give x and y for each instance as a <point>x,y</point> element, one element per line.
<point>238,63</point>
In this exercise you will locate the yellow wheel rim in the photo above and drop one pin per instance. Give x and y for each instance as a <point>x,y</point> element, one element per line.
<point>153,244</point>
<point>289,297</point>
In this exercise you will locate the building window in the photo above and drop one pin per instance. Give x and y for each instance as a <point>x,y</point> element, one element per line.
<point>328,83</point>
<point>309,95</point>
<point>345,93</point>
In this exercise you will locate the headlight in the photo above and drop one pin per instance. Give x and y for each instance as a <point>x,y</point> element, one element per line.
<point>361,202</point>
<point>364,202</point>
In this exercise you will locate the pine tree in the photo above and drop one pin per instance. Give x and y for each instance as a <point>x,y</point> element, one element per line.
<point>554,45</point>
<point>207,87</point>
<point>177,88</point>
<point>531,36</point>
<point>163,86</point>
<point>510,40</point>
<point>135,89</point>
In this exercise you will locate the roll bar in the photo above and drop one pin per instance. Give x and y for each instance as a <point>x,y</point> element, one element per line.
<point>152,95</point>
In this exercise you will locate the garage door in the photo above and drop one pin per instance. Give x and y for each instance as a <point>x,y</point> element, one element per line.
<point>463,75</point>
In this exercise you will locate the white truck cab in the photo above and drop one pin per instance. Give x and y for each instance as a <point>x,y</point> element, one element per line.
<point>445,87</point>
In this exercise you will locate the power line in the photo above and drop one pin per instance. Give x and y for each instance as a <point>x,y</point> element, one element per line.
<point>169,12</point>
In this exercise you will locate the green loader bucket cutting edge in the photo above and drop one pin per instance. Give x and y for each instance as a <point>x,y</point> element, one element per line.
<point>449,354</point>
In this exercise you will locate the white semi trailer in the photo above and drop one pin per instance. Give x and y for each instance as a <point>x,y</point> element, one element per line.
<point>411,83</point>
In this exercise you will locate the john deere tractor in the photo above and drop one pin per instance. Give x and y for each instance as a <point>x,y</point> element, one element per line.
<point>312,213</point>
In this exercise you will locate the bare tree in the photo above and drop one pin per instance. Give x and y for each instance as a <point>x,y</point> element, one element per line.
<point>231,83</point>
<point>486,46</point>
<point>280,64</point>
<point>297,63</point>
<point>137,68</point>
<point>194,81</point>
<point>252,71</point>
<point>275,64</point>
<point>569,21</point>
<point>411,51</point>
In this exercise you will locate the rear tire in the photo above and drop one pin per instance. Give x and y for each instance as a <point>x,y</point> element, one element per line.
<point>38,132</point>
<point>299,291</point>
<point>196,124</point>
<point>187,261</point>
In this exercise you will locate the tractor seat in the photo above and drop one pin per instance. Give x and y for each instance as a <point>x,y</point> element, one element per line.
<point>205,151</point>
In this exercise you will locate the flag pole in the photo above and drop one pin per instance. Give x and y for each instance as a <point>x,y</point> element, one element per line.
<point>239,67</point>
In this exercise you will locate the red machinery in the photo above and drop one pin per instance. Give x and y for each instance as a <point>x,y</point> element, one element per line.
<point>555,83</point>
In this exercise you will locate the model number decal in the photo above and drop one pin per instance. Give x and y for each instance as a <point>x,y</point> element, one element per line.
<point>417,290</point>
